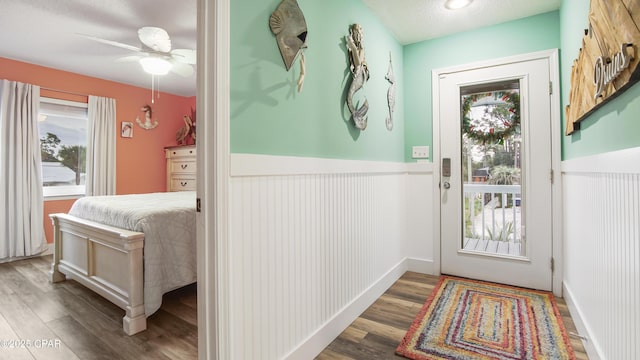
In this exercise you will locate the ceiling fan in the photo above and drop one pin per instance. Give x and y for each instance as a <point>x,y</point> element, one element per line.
<point>155,53</point>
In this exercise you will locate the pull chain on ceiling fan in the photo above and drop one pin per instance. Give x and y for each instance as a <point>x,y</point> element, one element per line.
<point>155,54</point>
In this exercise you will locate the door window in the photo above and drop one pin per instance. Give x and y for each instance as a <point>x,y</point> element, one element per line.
<point>491,139</point>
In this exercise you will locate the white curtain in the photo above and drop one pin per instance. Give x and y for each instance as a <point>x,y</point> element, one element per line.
<point>21,201</point>
<point>101,146</point>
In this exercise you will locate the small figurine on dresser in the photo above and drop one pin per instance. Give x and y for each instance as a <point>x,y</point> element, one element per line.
<point>186,135</point>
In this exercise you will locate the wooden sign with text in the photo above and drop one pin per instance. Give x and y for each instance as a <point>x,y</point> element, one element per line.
<point>607,63</point>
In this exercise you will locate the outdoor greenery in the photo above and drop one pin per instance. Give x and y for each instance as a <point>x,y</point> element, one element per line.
<point>49,147</point>
<point>501,234</point>
<point>504,175</point>
<point>72,157</point>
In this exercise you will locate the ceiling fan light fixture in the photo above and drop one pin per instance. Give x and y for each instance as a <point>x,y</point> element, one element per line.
<point>155,65</point>
<point>456,4</point>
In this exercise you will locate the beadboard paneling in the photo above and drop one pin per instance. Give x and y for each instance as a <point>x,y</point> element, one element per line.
<point>305,247</point>
<point>602,251</point>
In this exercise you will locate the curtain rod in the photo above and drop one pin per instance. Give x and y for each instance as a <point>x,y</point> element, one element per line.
<point>63,91</point>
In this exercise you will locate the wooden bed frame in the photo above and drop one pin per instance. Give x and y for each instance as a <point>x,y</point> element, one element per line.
<point>106,259</point>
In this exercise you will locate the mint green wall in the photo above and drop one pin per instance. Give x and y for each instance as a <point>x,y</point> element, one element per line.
<point>540,32</point>
<point>614,126</point>
<point>268,116</point>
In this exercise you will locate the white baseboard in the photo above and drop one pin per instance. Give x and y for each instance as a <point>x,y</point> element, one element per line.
<point>421,266</point>
<point>592,349</point>
<point>319,340</point>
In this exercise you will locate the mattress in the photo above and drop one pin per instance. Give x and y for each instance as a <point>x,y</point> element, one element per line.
<point>168,221</point>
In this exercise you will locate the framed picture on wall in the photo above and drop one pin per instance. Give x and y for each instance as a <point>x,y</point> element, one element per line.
<point>127,129</point>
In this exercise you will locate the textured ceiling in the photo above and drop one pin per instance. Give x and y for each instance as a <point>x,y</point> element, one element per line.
<point>416,20</point>
<point>44,32</point>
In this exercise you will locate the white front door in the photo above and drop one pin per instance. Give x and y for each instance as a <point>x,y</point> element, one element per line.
<point>495,186</point>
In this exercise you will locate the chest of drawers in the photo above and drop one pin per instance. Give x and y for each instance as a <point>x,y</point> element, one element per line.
<point>181,168</point>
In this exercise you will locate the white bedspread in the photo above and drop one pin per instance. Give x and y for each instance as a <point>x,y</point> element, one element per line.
<point>168,221</point>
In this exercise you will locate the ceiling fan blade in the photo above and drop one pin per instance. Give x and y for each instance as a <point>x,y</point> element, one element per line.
<point>186,56</point>
<point>129,58</point>
<point>155,38</point>
<point>182,69</point>
<point>112,43</point>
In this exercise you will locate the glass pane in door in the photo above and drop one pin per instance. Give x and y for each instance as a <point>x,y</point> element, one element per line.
<point>492,169</point>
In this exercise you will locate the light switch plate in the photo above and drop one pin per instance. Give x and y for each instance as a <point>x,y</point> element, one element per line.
<point>420,152</point>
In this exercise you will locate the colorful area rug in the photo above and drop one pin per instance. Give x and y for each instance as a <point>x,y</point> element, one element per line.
<point>467,319</point>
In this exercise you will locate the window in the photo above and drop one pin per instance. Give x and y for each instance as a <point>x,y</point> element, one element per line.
<point>62,127</point>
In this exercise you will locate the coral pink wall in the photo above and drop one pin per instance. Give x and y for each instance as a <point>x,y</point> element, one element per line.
<point>52,207</point>
<point>140,161</point>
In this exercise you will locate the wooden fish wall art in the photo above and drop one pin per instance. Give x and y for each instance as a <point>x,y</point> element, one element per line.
<point>287,23</point>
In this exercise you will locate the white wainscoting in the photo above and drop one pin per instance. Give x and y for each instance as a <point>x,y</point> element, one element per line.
<point>313,243</point>
<point>419,185</point>
<point>602,251</point>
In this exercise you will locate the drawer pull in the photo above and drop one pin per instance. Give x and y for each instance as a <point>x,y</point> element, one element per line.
<point>184,166</point>
<point>183,183</point>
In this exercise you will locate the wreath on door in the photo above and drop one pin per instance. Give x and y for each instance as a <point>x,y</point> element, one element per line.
<point>492,131</point>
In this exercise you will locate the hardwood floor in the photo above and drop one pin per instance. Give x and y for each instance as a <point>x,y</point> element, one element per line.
<point>379,330</point>
<point>67,321</point>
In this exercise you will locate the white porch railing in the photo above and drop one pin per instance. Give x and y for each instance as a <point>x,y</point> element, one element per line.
<point>493,220</point>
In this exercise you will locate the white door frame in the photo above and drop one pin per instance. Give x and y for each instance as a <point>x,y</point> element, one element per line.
<point>213,149</point>
<point>556,126</point>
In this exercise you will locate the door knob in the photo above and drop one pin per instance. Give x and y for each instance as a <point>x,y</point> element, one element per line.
<point>446,185</point>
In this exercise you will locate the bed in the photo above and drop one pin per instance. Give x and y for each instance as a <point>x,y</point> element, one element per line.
<point>131,249</point>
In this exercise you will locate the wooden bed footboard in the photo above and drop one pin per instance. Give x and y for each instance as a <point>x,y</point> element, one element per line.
<point>106,259</point>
